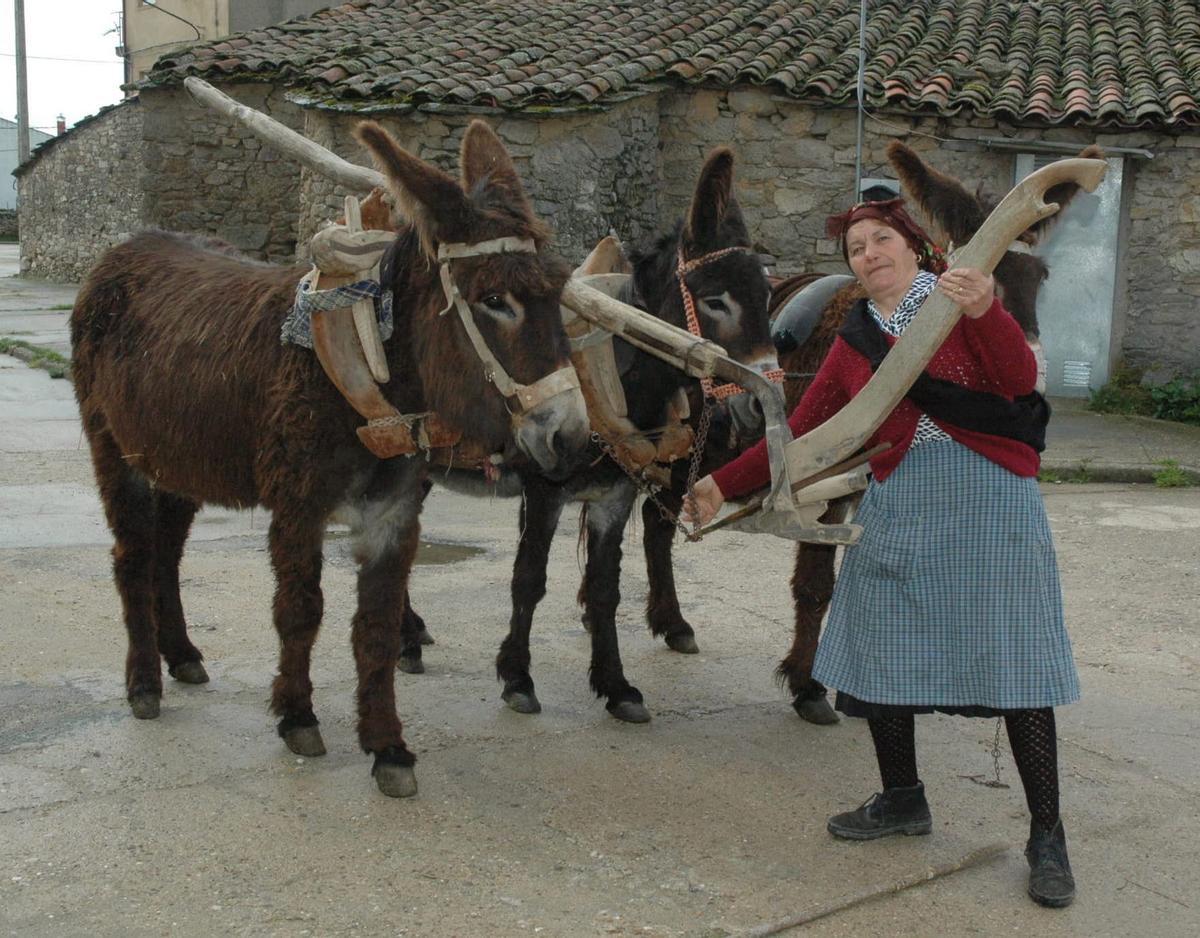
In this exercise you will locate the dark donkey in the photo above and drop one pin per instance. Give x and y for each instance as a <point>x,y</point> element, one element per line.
<point>710,253</point>
<point>188,397</point>
<point>957,214</point>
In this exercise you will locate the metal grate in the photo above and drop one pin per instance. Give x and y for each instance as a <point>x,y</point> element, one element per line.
<point>1077,374</point>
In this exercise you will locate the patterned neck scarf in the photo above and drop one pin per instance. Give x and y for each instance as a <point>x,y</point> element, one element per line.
<point>922,286</point>
<point>895,324</point>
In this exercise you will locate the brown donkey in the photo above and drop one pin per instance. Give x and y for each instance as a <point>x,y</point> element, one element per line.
<point>957,214</point>
<point>189,397</point>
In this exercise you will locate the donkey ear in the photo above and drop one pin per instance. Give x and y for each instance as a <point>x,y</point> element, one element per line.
<point>942,199</point>
<point>432,200</point>
<point>484,160</point>
<point>1062,194</point>
<point>714,204</point>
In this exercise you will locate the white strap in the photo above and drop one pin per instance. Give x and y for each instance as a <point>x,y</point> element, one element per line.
<point>450,251</point>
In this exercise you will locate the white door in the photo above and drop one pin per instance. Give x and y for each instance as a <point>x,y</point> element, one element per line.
<point>1075,304</point>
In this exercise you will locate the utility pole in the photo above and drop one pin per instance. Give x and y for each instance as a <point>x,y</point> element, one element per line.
<point>22,89</point>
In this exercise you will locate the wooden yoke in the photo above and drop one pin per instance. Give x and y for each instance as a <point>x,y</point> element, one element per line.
<point>594,361</point>
<point>347,343</point>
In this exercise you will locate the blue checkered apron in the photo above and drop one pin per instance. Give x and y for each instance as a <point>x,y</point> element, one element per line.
<point>952,596</point>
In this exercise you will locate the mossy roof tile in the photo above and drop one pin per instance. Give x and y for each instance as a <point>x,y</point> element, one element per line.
<point>1116,62</point>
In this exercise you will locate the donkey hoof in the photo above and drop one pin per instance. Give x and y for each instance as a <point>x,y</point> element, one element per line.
<point>586,621</point>
<point>816,710</point>
<point>145,706</point>
<point>190,672</point>
<point>396,781</point>
<point>684,643</point>
<point>305,741</point>
<point>630,711</point>
<point>424,637</point>
<point>522,701</point>
<point>410,664</point>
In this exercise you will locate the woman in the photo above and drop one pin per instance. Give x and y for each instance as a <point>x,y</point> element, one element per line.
<point>951,600</point>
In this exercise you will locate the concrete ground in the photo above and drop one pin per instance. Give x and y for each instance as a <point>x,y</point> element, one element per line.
<point>708,821</point>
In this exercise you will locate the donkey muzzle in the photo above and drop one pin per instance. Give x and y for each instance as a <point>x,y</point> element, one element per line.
<point>551,427</point>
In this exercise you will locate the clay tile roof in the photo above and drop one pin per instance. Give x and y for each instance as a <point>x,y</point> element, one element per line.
<point>1113,62</point>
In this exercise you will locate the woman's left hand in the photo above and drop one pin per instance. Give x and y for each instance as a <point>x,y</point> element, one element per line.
<point>972,290</point>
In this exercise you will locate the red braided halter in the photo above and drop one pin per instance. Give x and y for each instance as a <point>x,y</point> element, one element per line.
<point>682,269</point>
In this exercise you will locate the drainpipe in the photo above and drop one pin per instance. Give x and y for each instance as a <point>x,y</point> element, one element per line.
<point>862,60</point>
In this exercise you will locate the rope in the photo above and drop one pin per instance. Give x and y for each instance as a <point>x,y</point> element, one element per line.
<point>683,268</point>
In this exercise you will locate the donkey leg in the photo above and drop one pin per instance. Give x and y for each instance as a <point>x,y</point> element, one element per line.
<point>413,635</point>
<point>413,632</point>
<point>812,586</point>
<point>129,507</point>
<point>662,602</point>
<point>540,511</point>
<point>385,543</point>
<point>295,546</point>
<point>606,526</point>
<point>173,519</point>
<point>812,589</point>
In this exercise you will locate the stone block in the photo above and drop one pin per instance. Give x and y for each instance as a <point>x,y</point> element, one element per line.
<point>795,201</point>
<point>247,236</point>
<point>605,142</point>
<point>751,101</point>
<point>753,127</point>
<point>704,107</point>
<point>514,130</point>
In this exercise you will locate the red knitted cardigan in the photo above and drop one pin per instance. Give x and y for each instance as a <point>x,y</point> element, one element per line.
<point>985,354</point>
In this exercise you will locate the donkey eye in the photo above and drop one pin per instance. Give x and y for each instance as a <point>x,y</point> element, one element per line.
<point>716,304</point>
<point>495,302</point>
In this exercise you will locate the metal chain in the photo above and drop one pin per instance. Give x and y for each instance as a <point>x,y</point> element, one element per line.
<point>996,756</point>
<point>991,782</point>
<point>694,467</point>
<point>644,488</point>
<point>649,490</point>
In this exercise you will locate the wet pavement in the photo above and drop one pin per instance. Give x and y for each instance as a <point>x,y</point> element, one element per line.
<point>706,822</point>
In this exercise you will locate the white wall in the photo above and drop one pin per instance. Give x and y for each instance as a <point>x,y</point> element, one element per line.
<point>8,160</point>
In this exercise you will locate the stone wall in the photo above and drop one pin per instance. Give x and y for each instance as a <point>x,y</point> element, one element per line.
<point>204,173</point>
<point>170,162</point>
<point>795,166</point>
<point>1162,257</point>
<point>82,194</point>
<point>584,173</point>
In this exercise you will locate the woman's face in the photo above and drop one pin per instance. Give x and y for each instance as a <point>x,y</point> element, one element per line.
<point>880,258</point>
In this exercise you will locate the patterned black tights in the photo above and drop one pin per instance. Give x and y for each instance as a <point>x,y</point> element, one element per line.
<point>896,750</point>
<point>1031,734</point>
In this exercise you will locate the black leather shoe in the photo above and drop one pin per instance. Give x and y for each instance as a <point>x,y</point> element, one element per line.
<point>1050,881</point>
<point>891,811</point>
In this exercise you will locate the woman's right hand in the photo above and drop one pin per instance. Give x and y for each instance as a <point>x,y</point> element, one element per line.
<point>707,502</point>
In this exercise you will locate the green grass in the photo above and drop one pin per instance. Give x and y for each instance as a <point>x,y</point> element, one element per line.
<point>1177,399</point>
<point>37,356</point>
<point>1171,475</point>
<point>1080,475</point>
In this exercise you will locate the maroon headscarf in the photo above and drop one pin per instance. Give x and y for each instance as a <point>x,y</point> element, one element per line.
<point>891,213</point>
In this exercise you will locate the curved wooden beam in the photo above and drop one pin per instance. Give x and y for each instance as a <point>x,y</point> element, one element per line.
<point>847,430</point>
<point>287,141</point>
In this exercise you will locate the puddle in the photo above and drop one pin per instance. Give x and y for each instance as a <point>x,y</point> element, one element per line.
<point>429,553</point>
<point>433,553</point>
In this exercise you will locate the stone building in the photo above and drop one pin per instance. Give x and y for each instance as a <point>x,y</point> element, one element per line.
<point>609,108</point>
